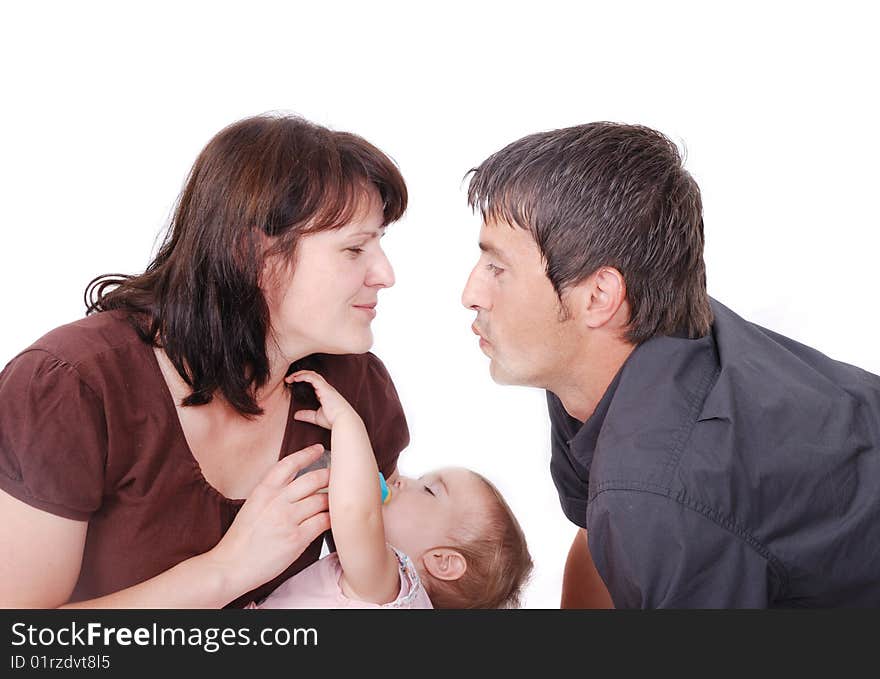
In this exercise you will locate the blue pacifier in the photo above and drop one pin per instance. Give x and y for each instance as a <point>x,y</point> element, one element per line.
<point>386,491</point>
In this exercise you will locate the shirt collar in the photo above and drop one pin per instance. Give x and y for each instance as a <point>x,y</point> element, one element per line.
<point>583,443</point>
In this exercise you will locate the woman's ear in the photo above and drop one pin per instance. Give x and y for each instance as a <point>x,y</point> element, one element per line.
<point>444,563</point>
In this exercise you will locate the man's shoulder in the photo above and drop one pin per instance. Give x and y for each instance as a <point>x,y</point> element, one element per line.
<point>659,395</point>
<point>762,371</point>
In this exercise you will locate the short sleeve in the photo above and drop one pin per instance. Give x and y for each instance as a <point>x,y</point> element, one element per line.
<point>412,592</point>
<point>654,552</point>
<point>53,436</point>
<point>379,406</point>
<point>318,586</point>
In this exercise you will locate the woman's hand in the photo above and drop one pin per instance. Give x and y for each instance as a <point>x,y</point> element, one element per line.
<point>278,521</point>
<point>282,516</point>
<point>334,408</point>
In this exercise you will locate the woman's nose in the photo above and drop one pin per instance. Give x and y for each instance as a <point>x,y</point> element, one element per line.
<point>381,273</point>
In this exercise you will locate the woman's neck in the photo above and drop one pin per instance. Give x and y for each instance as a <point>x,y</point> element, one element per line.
<point>271,394</point>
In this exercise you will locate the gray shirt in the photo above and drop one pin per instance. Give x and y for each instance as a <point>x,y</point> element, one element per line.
<point>740,469</point>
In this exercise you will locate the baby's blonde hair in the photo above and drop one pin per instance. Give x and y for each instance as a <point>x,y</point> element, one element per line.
<point>498,561</point>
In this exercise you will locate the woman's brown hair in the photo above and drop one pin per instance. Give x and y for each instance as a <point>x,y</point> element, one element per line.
<point>276,176</point>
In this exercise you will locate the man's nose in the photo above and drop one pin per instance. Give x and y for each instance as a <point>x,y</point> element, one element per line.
<point>472,296</point>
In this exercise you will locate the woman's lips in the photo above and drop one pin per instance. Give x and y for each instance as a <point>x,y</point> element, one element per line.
<point>369,309</point>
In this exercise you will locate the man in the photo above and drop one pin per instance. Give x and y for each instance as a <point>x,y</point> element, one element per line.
<point>709,462</point>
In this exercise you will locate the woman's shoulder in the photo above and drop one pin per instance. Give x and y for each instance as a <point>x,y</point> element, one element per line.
<point>79,341</point>
<point>90,349</point>
<point>364,365</point>
<point>366,383</point>
<point>355,376</point>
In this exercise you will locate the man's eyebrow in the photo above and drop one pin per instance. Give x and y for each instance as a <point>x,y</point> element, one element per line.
<point>490,249</point>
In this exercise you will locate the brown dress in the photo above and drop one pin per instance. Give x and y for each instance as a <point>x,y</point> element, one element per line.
<point>89,431</point>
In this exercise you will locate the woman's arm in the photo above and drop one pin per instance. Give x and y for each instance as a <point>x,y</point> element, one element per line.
<point>41,555</point>
<point>369,566</point>
<point>42,561</point>
<point>282,516</point>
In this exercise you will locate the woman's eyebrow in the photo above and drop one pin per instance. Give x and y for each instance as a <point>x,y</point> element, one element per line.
<point>366,231</point>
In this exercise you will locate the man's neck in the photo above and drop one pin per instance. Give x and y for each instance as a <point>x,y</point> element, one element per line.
<point>587,378</point>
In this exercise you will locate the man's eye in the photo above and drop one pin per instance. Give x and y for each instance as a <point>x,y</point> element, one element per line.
<point>355,251</point>
<point>494,269</point>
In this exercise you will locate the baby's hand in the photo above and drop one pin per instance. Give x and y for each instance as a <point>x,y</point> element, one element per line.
<point>334,408</point>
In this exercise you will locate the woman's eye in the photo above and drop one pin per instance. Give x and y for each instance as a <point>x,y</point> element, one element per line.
<point>428,490</point>
<point>494,269</point>
<point>354,251</point>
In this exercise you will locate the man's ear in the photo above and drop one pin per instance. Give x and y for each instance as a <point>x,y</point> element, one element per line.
<point>598,298</point>
<point>444,563</point>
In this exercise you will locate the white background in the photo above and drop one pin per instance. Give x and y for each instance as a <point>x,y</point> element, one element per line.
<point>105,108</point>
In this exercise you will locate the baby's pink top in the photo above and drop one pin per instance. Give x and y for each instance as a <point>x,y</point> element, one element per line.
<point>318,587</point>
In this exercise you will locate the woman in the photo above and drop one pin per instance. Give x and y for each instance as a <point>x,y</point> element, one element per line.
<point>145,450</point>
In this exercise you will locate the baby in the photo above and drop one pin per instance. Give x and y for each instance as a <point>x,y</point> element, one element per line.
<point>444,540</point>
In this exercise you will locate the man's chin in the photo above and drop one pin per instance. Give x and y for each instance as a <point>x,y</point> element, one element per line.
<point>505,377</point>
<point>499,375</point>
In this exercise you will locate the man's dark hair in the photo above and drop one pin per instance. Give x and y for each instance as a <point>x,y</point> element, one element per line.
<point>607,194</point>
<point>200,299</point>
